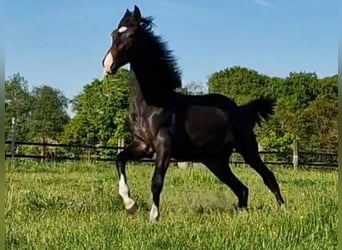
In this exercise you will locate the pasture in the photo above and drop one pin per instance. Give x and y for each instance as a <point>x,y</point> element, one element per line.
<point>77,206</point>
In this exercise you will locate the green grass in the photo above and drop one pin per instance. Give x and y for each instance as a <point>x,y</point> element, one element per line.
<point>77,206</point>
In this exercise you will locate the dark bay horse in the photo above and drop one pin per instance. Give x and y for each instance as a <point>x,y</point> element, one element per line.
<point>172,125</point>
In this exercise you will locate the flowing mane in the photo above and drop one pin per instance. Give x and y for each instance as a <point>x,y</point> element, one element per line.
<point>159,56</point>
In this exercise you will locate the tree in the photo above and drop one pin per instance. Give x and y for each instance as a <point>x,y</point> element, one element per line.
<point>240,84</point>
<point>48,113</point>
<point>320,117</point>
<point>101,112</point>
<point>293,94</point>
<point>320,120</point>
<point>17,106</point>
<point>300,88</point>
<point>193,88</point>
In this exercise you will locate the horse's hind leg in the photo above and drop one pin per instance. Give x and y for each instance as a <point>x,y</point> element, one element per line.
<point>223,172</point>
<point>135,150</point>
<point>249,151</point>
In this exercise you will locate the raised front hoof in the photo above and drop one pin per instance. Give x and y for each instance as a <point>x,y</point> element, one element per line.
<point>132,210</point>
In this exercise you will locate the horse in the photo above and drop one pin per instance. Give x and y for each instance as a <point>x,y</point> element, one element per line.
<point>171,125</point>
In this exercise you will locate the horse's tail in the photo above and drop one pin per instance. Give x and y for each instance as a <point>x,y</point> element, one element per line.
<point>257,111</point>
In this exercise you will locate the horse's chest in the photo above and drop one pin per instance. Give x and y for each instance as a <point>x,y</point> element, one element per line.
<point>146,125</point>
<point>143,129</point>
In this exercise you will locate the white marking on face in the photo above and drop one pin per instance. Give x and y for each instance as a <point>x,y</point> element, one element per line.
<point>108,61</point>
<point>122,29</point>
<point>154,213</point>
<point>124,193</point>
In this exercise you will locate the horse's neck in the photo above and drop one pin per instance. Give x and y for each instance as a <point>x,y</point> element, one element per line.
<point>136,93</point>
<point>138,104</point>
<point>151,86</point>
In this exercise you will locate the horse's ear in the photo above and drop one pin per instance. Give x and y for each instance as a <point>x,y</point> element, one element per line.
<point>137,13</point>
<point>128,13</point>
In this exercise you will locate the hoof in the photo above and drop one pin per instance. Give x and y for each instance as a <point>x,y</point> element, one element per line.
<point>241,208</point>
<point>154,220</point>
<point>283,207</point>
<point>154,214</point>
<point>133,209</point>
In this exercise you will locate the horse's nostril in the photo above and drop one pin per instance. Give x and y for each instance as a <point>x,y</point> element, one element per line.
<point>108,62</point>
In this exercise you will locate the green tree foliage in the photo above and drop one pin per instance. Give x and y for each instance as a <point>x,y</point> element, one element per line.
<point>320,117</point>
<point>240,84</point>
<point>101,112</point>
<point>293,94</point>
<point>48,113</point>
<point>17,106</point>
<point>39,115</point>
<point>193,88</point>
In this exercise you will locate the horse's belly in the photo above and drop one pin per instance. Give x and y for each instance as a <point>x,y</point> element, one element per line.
<point>204,131</point>
<point>206,126</point>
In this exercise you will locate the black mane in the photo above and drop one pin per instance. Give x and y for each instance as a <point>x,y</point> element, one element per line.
<point>159,56</point>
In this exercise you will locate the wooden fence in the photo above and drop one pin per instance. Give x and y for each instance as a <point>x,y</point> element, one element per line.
<point>63,152</point>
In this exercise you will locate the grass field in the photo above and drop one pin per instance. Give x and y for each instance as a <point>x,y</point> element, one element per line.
<point>77,206</point>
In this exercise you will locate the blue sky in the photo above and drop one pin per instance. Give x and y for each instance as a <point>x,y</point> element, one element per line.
<point>62,43</point>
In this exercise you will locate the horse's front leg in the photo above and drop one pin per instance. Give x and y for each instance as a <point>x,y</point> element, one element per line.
<point>163,150</point>
<point>135,150</point>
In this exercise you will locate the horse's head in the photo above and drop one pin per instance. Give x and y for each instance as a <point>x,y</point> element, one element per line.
<point>124,38</point>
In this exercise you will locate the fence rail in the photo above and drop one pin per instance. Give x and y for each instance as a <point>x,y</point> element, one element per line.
<point>49,151</point>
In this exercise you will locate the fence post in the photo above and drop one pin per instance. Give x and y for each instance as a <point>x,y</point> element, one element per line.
<point>44,150</point>
<point>14,130</point>
<point>295,154</point>
<point>121,143</point>
<point>260,149</point>
<point>184,165</point>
